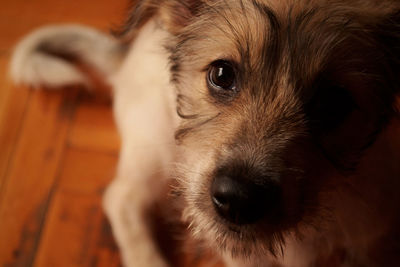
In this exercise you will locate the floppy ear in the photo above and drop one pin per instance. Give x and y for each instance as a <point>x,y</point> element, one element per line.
<point>389,37</point>
<point>172,14</point>
<point>383,42</point>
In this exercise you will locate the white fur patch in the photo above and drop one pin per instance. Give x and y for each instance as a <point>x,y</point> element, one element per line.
<point>33,66</point>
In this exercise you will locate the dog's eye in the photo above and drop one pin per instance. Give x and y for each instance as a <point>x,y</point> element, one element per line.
<point>221,76</point>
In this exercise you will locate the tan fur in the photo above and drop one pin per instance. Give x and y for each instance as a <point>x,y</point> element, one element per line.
<point>339,179</point>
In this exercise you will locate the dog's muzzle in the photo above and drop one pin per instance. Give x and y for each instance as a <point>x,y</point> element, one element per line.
<point>242,201</point>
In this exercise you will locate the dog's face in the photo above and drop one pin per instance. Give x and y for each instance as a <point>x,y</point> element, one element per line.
<point>278,100</point>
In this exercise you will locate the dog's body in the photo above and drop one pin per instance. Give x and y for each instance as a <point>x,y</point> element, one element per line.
<point>267,175</point>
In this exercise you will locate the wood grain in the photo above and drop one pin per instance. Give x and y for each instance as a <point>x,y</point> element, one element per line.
<point>58,151</point>
<point>94,129</point>
<point>75,226</point>
<point>31,175</point>
<point>35,129</point>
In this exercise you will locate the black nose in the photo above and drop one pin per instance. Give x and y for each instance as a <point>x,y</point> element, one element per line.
<point>243,202</point>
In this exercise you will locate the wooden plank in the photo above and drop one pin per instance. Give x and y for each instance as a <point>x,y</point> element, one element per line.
<point>76,231</point>
<point>32,173</point>
<point>106,254</point>
<point>69,238</point>
<point>94,129</point>
<point>13,103</point>
<point>87,172</point>
<point>32,151</point>
<point>18,17</point>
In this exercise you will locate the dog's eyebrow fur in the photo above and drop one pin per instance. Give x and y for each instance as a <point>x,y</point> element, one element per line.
<point>273,49</point>
<point>243,37</point>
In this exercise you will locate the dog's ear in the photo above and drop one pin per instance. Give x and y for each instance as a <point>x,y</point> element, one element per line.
<point>381,30</point>
<point>388,32</point>
<point>172,14</point>
<point>176,14</point>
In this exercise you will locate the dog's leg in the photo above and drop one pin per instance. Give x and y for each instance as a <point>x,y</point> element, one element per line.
<point>53,57</point>
<point>261,262</point>
<point>126,203</point>
<point>229,261</point>
<point>143,106</point>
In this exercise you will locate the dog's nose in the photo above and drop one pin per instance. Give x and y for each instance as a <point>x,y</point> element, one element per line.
<point>245,202</point>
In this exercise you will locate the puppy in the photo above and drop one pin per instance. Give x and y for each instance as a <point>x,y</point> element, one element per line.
<point>275,122</point>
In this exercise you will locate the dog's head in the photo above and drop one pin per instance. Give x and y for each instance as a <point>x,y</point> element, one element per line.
<point>278,100</point>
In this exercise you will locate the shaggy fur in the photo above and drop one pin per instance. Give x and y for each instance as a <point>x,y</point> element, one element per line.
<point>313,109</point>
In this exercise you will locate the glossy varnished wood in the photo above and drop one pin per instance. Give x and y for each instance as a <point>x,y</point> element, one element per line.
<point>58,152</point>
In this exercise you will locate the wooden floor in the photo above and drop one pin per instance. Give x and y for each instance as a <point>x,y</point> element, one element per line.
<point>58,151</point>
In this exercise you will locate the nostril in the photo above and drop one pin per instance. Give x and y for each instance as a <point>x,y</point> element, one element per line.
<point>224,192</point>
<point>243,203</point>
<point>220,200</point>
